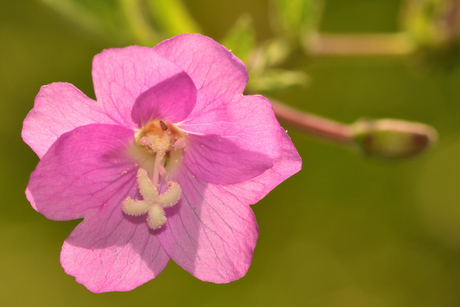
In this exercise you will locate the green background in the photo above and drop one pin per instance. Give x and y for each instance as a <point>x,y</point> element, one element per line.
<point>345,231</point>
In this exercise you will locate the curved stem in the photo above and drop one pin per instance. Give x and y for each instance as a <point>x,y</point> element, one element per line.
<point>397,44</point>
<point>314,125</point>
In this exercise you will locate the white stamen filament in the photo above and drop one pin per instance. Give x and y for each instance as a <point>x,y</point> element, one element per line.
<point>156,168</point>
<point>180,143</point>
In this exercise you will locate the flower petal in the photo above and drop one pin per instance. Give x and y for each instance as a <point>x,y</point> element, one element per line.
<point>218,160</point>
<point>121,75</point>
<point>171,100</point>
<point>110,251</point>
<point>240,142</point>
<point>218,75</point>
<point>66,107</point>
<point>254,190</point>
<point>210,232</point>
<point>85,168</point>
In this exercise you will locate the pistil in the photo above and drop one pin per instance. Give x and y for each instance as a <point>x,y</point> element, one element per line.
<point>160,141</point>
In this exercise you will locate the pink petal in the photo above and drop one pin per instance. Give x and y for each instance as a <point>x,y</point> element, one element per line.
<point>121,75</point>
<point>210,232</point>
<point>59,108</point>
<point>241,142</point>
<point>253,190</point>
<point>85,168</point>
<point>218,160</point>
<point>171,100</point>
<point>110,251</point>
<point>218,75</point>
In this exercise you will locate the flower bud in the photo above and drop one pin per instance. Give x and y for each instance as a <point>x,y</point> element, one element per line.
<point>392,139</point>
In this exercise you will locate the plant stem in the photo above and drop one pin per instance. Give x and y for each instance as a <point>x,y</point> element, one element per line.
<point>397,44</point>
<point>314,125</point>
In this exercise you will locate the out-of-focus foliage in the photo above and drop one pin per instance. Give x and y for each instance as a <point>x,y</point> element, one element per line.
<point>265,74</point>
<point>274,80</point>
<point>241,39</point>
<point>125,22</point>
<point>434,26</point>
<point>111,20</point>
<point>171,17</point>
<point>297,20</point>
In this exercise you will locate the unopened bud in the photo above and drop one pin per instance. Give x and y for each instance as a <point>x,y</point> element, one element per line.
<point>392,139</point>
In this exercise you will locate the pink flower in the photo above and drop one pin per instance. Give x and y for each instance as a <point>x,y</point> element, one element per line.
<point>163,165</point>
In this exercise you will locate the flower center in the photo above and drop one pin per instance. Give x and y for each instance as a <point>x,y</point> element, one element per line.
<point>157,142</point>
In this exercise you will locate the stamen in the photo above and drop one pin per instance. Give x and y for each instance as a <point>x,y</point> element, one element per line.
<point>162,170</point>
<point>163,126</point>
<point>180,143</point>
<point>144,141</point>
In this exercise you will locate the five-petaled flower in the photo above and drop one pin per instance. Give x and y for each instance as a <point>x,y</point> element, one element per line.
<point>163,165</point>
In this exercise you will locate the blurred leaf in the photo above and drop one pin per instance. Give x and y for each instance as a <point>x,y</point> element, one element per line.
<point>241,38</point>
<point>172,17</point>
<point>120,21</point>
<point>142,29</point>
<point>276,52</point>
<point>275,80</point>
<point>271,53</point>
<point>434,26</point>
<point>297,19</point>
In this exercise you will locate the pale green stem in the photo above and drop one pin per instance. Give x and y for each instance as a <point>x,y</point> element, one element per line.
<point>397,44</point>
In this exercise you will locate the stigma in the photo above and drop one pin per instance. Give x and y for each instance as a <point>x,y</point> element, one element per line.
<point>156,143</point>
<point>153,202</point>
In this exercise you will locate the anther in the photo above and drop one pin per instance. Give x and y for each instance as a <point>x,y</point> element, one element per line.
<point>163,126</point>
<point>144,141</point>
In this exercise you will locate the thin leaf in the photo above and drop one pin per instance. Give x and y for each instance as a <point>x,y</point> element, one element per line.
<point>241,38</point>
<point>172,17</point>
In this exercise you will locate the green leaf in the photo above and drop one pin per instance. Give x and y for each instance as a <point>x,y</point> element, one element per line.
<point>172,17</point>
<point>241,38</point>
<point>297,19</point>
<point>120,21</point>
<point>275,80</point>
<point>434,27</point>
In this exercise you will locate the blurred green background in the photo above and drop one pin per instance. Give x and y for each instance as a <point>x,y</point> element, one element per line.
<point>345,231</point>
